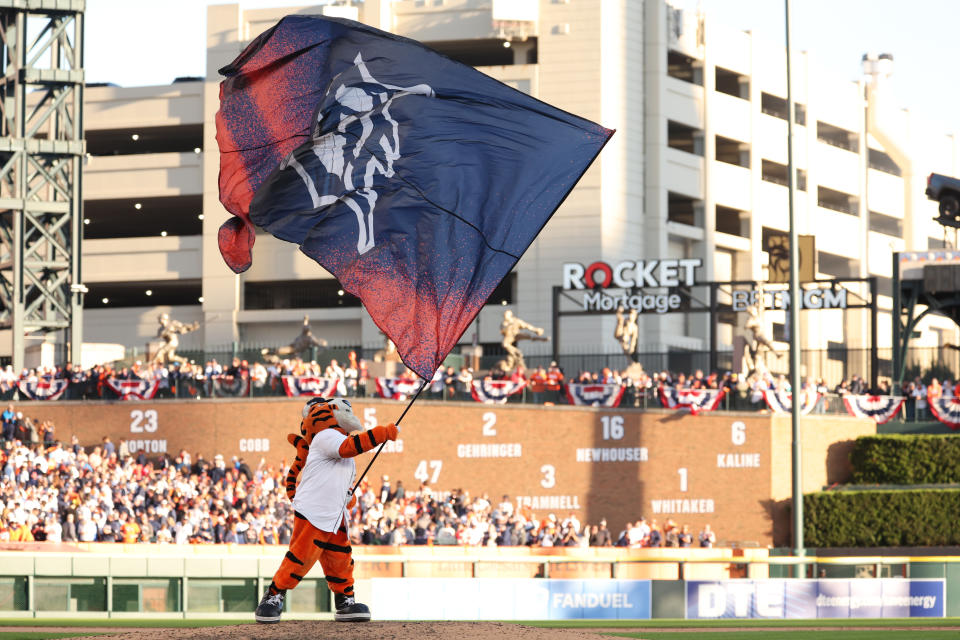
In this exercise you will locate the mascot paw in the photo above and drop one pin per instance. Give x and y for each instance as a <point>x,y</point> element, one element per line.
<point>392,431</point>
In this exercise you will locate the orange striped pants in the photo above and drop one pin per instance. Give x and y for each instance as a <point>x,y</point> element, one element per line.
<point>309,545</point>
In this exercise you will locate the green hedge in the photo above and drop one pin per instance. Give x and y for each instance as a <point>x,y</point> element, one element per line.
<point>912,518</point>
<point>906,459</point>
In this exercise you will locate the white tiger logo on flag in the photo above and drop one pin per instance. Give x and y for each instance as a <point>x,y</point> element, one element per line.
<point>365,142</point>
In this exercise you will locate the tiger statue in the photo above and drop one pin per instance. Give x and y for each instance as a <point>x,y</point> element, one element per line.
<point>330,437</point>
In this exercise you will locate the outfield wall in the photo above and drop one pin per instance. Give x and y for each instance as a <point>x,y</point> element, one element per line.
<point>204,581</point>
<point>726,469</point>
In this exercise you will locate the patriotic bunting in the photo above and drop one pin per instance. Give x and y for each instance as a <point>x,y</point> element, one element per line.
<point>230,386</point>
<point>945,409</point>
<point>496,391</point>
<point>696,400</point>
<point>130,389</point>
<point>43,389</point>
<point>309,386</point>
<point>782,401</point>
<point>594,395</point>
<point>878,408</point>
<point>396,388</point>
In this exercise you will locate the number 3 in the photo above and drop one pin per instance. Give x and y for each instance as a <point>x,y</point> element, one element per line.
<point>549,476</point>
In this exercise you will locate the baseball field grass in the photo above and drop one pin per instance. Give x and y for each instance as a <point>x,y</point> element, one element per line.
<point>847,629</point>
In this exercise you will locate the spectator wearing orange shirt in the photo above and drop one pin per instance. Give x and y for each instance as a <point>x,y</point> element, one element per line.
<point>554,383</point>
<point>20,532</point>
<point>130,529</point>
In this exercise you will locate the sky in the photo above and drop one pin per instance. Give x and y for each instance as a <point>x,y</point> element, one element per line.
<point>143,42</point>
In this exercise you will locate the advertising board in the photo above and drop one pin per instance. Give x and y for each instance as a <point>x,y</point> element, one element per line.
<point>824,598</point>
<point>510,599</point>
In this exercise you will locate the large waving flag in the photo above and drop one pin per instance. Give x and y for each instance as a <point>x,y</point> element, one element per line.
<point>418,182</point>
<point>878,408</point>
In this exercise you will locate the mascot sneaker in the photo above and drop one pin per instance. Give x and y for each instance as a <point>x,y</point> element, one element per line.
<point>270,607</point>
<point>349,610</point>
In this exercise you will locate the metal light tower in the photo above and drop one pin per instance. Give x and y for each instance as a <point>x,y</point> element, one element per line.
<point>41,155</point>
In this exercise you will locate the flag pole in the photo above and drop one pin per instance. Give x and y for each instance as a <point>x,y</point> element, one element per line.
<point>380,448</point>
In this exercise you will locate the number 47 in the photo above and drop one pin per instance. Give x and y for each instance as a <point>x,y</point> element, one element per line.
<point>422,474</point>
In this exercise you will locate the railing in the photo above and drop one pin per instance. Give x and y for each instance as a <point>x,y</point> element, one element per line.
<point>912,410</point>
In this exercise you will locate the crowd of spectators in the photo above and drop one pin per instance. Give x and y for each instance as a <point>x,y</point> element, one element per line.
<point>54,492</point>
<point>189,379</point>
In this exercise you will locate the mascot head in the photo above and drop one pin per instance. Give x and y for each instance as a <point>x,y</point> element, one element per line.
<point>323,413</point>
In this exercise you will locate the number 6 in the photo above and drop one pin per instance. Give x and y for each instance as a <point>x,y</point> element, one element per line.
<point>738,433</point>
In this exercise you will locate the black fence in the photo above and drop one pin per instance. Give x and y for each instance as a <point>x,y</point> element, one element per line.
<point>832,365</point>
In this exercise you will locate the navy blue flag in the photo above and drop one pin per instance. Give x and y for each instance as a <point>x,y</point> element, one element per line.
<point>417,181</point>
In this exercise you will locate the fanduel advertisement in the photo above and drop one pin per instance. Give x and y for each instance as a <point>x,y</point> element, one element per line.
<point>827,598</point>
<point>509,599</point>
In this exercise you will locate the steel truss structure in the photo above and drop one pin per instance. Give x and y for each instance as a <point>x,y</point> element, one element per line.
<point>931,284</point>
<point>41,156</point>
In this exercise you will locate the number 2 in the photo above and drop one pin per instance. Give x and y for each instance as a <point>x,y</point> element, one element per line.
<point>489,419</point>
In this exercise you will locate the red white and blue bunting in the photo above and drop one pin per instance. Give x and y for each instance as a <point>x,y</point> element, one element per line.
<point>945,409</point>
<point>43,389</point>
<point>878,408</point>
<point>594,395</point>
<point>231,386</point>
<point>496,391</point>
<point>397,388</point>
<point>696,400</point>
<point>309,386</point>
<point>133,389</point>
<point>782,401</point>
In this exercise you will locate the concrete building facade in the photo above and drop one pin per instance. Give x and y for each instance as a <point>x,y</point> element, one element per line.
<point>696,170</point>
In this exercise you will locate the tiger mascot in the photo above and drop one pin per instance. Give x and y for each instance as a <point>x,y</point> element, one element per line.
<point>330,437</point>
